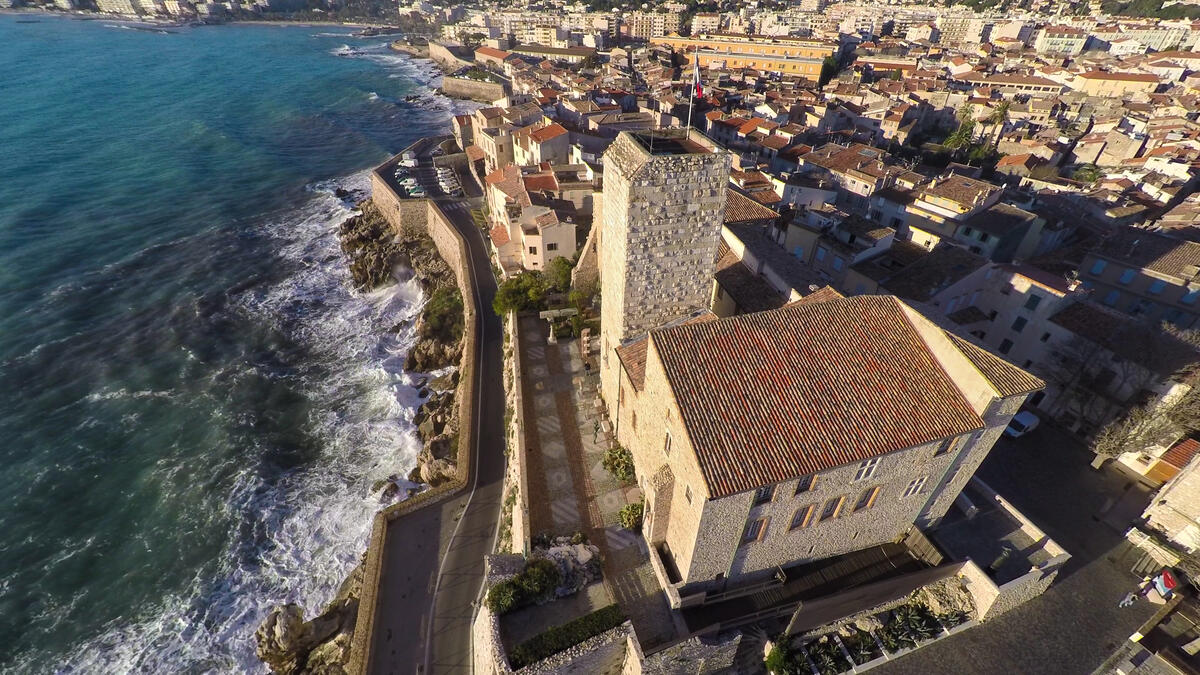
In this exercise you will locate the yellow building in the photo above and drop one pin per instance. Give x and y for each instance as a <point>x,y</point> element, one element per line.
<point>793,56</point>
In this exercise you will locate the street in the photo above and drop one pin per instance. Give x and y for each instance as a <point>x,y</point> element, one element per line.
<point>1076,624</point>
<point>433,560</point>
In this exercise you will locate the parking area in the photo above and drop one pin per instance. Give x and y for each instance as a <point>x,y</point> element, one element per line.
<point>426,180</point>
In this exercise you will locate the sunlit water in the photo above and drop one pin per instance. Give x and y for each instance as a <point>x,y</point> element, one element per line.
<point>193,404</point>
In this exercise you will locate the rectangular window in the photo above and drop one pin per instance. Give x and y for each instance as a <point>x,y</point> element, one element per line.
<point>551,247</point>
<point>866,469</point>
<point>1157,286</point>
<point>992,315</point>
<point>667,444</point>
<point>1033,301</point>
<point>838,263</point>
<point>1190,297</point>
<point>533,250</point>
<point>946,446</point>
<point>687,493</point>
<point>867,499</point>
<point>820,253</point>
<point>1111,298</point>
<point>764,494</point>
<point>832,509</point>
<point>1127,276</point>
<point>803,516</point>
<point>915,486</point>
<point>755,530</point>
<point>798,252</point>
<point>805,483</point>
<point>1098,267</point>
<point>1005,346</point>
<point>1019,324</point>
<point>1045,337</point>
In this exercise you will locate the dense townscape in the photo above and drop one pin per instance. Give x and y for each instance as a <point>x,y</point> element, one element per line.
<point>830,333</point>
<point>810,337</point>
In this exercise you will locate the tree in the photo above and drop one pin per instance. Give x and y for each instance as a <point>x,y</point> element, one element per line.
<point>829,69</point>
<point>999,117</point>
<point>526,291</point>
<point>1088,173</point>
<point>1161,421</point>
<point>558,274</point>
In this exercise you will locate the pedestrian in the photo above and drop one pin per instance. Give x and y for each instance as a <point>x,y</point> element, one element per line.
<point>1127,600</point>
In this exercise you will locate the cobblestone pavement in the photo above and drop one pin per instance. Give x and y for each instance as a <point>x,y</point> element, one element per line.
<point>1076,624</point>
<point>569,488</point>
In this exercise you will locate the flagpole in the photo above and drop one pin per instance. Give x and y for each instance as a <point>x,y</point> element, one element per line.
<point>692,92</point>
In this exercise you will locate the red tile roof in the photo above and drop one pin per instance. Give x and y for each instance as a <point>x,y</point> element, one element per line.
<point>499,235</point>
<point>548,132</point>
<point>1182,453</point>
<point>769,396</point>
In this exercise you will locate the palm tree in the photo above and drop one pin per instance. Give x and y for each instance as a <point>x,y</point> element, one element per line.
<point>999,116</point>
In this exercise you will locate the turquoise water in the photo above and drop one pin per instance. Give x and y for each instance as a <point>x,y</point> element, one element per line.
<point>193,406</point>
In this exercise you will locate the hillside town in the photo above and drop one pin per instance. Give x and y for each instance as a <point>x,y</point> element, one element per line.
<point>831,332</point>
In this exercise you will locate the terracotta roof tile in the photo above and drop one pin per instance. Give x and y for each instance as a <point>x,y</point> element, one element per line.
<point>1181,453</point>
<point>1005,378</point>
<point>769,396</point>
<point>741,209</point>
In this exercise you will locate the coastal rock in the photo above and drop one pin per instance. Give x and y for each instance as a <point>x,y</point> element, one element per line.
<point>289,645</point>
<point>436,471</point>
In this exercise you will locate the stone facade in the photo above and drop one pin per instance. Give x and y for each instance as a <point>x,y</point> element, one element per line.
<point>662,224</point>
<point>475,90</point>
<point>702,536</point>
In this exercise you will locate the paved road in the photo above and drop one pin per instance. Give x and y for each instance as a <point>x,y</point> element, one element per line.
<point>433,561</point>
<point>1076,624</point>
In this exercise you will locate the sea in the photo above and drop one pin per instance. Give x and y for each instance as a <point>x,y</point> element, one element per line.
<point>194,403</point>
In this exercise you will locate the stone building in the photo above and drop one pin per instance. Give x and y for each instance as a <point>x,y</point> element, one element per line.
<point>662,211</point>
<point>778,438</point>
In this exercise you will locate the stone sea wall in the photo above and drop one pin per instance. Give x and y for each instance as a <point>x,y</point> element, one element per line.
<point>403,214</point>
<point>484,92</point>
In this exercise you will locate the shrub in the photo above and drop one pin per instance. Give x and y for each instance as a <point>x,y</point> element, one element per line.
<point>502,598</point>
<point>535,583</point>
<point>776,661</point>
<point>564,637</point>
<point>631,516</point>
<point>619,462</point>
<point>443,315</point>
<point>538,580</point>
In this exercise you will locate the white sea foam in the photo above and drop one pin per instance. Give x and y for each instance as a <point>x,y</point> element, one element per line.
<point>317,518</point>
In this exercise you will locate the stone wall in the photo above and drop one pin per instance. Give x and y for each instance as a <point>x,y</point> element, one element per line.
<point>405,213</point>
<point>517,460</point>
<point>475,90</point>
<point>445,58</point>
<point>992,600</point>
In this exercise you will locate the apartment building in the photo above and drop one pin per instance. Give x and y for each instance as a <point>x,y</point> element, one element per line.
<point>1146,274</point>
<point>792,56</point>
<point>942,205</point>
<point>1061,40</point>
<point>1103,83</point>
<point>649,25</point>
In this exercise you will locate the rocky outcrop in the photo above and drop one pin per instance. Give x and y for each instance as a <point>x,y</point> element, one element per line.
<point>289,645</point>
<point>578,562</point>
<point>378,257</point>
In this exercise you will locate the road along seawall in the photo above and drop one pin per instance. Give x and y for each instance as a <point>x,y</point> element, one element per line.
<point>424,214</point>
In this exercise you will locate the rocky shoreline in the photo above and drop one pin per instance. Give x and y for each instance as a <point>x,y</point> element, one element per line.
<point>377,257</point>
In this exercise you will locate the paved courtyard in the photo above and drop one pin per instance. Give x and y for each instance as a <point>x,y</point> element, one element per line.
<point>569,488</point>
<point>1076,624</point>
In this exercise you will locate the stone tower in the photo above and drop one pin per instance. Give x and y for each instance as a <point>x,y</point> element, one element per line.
<point>663,206</point>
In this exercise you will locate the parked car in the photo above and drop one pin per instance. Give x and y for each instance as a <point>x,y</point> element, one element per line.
<point>1021,424</point>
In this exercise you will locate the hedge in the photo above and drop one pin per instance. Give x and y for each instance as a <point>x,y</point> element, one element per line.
<point>560,638</point>
<point>535,584</point>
